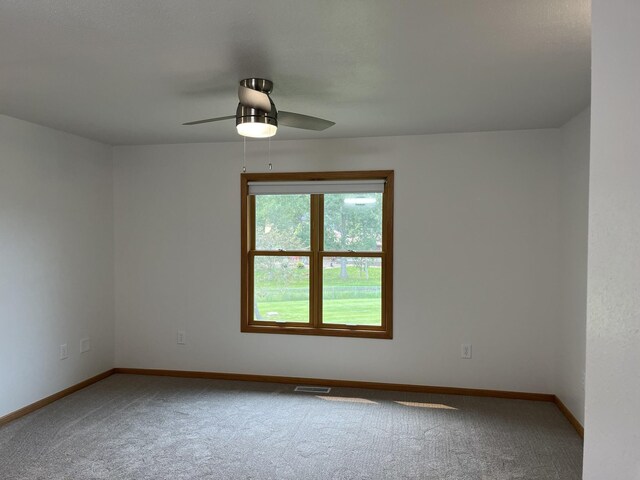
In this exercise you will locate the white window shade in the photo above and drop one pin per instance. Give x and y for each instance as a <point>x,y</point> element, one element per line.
<point>316,186</point>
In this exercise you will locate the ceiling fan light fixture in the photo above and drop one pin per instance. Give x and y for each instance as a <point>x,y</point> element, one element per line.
<point>256,130</point>
<point>255,123</point>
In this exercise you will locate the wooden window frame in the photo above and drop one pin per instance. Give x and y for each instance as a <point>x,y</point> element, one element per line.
<point>315,254</point>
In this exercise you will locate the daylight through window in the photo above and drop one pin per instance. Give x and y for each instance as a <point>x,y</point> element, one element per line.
<point>317,253</point>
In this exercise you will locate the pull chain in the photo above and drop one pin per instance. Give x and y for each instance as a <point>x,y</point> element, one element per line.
<point>244,154</point>
<point>269,155</point>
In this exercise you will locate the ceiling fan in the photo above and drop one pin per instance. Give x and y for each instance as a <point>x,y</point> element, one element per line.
<point>256,115</point>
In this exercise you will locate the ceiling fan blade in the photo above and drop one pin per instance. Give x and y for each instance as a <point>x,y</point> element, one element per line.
<point>207,120</point>
<point>254,99</point>
<point>297,120</point>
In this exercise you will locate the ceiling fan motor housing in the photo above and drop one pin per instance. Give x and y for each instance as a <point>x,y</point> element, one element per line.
<point>246,114</point>
<point>259,84</point>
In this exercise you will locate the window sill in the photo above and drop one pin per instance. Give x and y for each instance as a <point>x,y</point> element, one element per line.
<point>324,331</point>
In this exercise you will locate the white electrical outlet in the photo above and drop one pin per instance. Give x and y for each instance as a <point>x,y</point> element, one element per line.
<point>466,350</point>
<point>85,345</point>
<point>181,337</point>
<point>64,351</point>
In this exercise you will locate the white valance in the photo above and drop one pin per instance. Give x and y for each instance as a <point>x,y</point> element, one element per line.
<point>316,186</point>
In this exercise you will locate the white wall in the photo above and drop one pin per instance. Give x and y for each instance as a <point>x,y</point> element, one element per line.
<point>574,216</point>
<point>476,260</point>
<point>612,439</point>
<point>56,260</point>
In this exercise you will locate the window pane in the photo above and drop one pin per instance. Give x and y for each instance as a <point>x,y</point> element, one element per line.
<point>281,289</point>
<point>351,291</point>
<point>282,222</point>
<point>353,221</point>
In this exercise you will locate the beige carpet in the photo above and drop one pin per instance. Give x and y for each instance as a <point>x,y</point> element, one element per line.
<point>136,427</point>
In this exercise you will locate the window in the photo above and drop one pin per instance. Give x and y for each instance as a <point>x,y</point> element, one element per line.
<point>317,253</point>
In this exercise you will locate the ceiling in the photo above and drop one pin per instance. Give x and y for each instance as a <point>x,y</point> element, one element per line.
<point>130,72</point>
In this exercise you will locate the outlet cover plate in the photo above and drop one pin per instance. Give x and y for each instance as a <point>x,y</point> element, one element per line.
<point>85,345</point>
<point>466,350</point>
<point>64,351</point>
